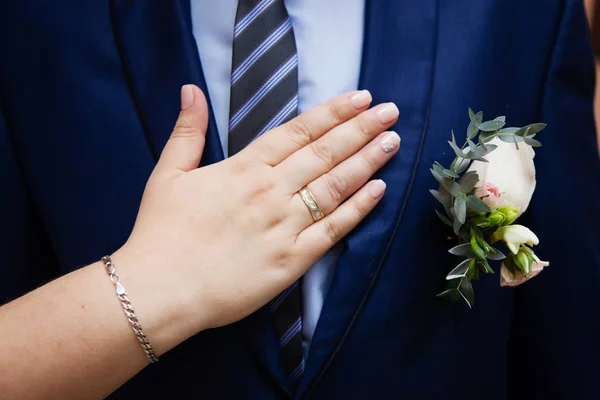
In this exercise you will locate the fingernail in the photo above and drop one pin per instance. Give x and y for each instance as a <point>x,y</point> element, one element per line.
<point>361,99</point>
<point>187,97</point>
<point>376,188</point>
<point>386,113</point>
<point>390,142</point>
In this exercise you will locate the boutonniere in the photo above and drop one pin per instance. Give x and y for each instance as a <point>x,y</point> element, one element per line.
<point>483,192</point>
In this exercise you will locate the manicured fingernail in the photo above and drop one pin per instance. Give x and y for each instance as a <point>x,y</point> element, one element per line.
<point>376,188</point>
<point>388,112</point>
<point>187,97</point>
<point>390,142</point>
<point>361,99</point>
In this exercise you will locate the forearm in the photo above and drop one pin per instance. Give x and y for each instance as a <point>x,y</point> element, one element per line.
<point>71,338</point>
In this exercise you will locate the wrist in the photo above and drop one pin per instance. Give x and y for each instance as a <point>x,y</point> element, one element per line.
<point>164,307</point>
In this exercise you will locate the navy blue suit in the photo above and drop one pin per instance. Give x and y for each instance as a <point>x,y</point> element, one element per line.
<point>89,95</point>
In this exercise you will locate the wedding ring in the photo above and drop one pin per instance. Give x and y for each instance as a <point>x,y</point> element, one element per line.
<point>314,209</point>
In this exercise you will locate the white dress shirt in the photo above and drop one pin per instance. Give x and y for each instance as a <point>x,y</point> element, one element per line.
<point>329,37</point>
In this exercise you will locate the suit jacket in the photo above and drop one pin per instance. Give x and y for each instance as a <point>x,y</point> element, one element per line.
<point>89,94</point>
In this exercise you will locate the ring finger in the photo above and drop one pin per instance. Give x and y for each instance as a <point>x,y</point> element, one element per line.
<point>337,185</point>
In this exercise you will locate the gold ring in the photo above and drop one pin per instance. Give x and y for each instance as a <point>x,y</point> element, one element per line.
<point>315,211</point>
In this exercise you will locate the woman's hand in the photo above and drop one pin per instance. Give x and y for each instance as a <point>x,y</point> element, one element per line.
<point>220,241</point>
<point>210,246</point>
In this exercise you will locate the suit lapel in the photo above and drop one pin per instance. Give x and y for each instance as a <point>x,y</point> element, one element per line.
<point>159,55</point>
<point>397,65</point>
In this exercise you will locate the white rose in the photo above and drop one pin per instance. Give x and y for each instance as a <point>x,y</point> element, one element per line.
<point>511,171</point>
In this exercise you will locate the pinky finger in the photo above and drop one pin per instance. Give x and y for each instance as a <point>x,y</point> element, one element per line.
<point>322,235</point>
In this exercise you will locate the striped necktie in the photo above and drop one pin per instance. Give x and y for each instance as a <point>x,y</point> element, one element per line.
<point>264,71</point>
<point>264,94</point>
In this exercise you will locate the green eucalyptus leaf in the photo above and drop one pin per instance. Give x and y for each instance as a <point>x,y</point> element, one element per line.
<point>522,131</point>
<point>483,160</point>
<point>472,146</point>
<point>489,148</point>
<point>449,174</point>
<point>442,196</point>
<point>460,208</point>
<point>480,151</point>
<point>477,205</point>
<point>536,128</point>
<point>491,126</point>
<point>530,129</point>
<point>459,165</point>
<point>438,177</point>
<point>452,187</point>
<point>479,117</point>
<point>463,250</point>
<point>508,131</point>
<point>456,149</point>
<point>532,142</point>
<point>485,137</point>
<point>460,270</point>
<point>472,130</point>
<point>501,118</point>
<point>452,135</point>
<point>456,225</point>
<point>510,138</point>
<point>471,114</point>
<point>451,294</point>
<point>496,255</point>
<point>444,219</point>
<point>448,293</point>
<point>466,291</point>
<point>468,182</point>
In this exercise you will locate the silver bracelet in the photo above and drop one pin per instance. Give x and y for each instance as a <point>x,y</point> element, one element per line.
<point>131,317</point>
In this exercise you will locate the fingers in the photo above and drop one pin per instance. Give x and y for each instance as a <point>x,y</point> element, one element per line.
<point>184,148</point>
<point>322,235</point>
<point>334,187</point>
<point>277,144</point>
<point>322,155</point>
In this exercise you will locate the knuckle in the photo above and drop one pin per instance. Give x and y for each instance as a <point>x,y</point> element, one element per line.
<point>261,190</point>
<point>364,127</point>
<point>336,112</point>
<point>183,130</point>
<point>337,186</point>
<point>323,152</point>
<point>372,162</point>
<point>362,209</point>
<point>183,122</point>
<point>240,166</point>
<point>299,132</point>
<point>283,260</point>
<point>332,230</point>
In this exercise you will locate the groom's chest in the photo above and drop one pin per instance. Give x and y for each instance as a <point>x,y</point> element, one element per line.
<point>108,82</point>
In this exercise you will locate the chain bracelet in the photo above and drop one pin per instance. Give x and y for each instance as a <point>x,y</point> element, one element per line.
<point>131,317</point>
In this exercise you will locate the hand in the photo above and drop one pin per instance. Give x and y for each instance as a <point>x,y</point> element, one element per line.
<point>219,242</point>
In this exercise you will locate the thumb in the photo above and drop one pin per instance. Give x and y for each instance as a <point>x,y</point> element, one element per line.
<point>184,148</point>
